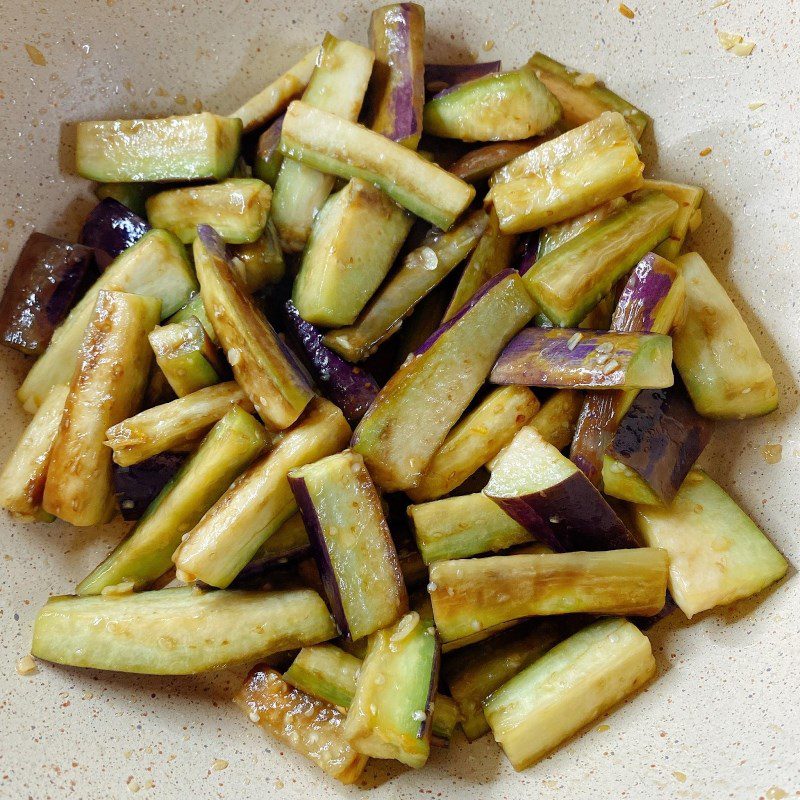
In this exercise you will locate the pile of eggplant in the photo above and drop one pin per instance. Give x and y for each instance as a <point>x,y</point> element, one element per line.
<point>383,366</point>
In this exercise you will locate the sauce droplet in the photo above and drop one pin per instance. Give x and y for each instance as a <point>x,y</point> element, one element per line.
<point>771,453</point>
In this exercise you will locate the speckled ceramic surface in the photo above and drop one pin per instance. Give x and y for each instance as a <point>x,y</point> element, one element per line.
<point>721,719</point>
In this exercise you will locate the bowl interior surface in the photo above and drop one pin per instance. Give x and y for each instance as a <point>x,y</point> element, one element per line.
<point>720,720</point>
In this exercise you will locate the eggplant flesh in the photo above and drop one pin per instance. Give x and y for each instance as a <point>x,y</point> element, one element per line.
<point>107,386</point>
<point>176,425</point>
<point>414,412</point>
<point>479,164</point>
<point>267,165</point>
<point>351,543</point>
<point>48,279</point>
<point>308,725</point>
<point>470,595</point>
<point>156,633</point>
<point>261,262</point>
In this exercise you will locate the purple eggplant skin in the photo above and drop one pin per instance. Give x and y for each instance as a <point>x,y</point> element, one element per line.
<point>346,385</point>
<point>111,228</point>
<point>660,438</point>
<point>439,78</point>
<point>397,87</point>
<point>320,552</point>
<point>260,571</point>
<point>591,523</point>
<point>528,247</point>
<point>645,623</point>
<point>50,276</point>
<point>643,306</point>
<point>137,486</point>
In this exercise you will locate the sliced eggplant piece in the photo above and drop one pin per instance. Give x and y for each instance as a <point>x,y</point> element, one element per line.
<point>174,425</point>
<point>477,671</point>
<point>493,254</point>
<point>412,415</point>
<point>567,176</point>
<point>135,487</point>
<point>719,360</point>
<point>48,279</point>
<point>497,107</point>
<point>479,164</point>
<point>441,77</point>
<point>651,299</point>
<point>146,554</point>
<point>131,195</point>
<point>329,673</point>
<point>259,501</point>
<point>555,235</point>
<point>23,477</point>
<point>236,208</point>
<point>111,228</point>
<point>156,266</point>
<point>351,388</point>
<point>157,633</point>
<point>288,544</point>
<point>351,543</point>
<point>338,85</point>
<point>308,725</point>
<point>170,149</point>
<point>338,273</point>
<point>335,146</point>
<point>419,273</point>
<point>689,199</point>
<point>390,715</point>
<point>577,359</point>
<point>583,99</point>
<point>260,263</point>
<point>186,356</point>
<point>422,323</point>
<point>272,101</point>
<point>460,527</point>
<point>717,554</point>
<point>107,387</point>
<point>476,593</point>
<point>195,308</point>
<point>659,439</point>
<point>475,440</point>
<point>268,161</point>
<point>547,494</point>
<point>397,90</point>
<point>262,364</point>
<point>567,688</point>
<point>568,282</point>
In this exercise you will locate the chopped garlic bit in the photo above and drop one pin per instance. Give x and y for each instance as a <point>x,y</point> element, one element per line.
<point>573,340</point>
<point>405,627</point>
<point>626,11</point>
<point>26,665</point>
<point>419,716</point>
<point>219,764</point>
<point>755,106</point>
<point>706,151</point>
<point>126,587</point>
<point>585,79</point>
<point>735,43</point>
<point>743,48</point>
<point>233,356</point>
<point>432,587</point>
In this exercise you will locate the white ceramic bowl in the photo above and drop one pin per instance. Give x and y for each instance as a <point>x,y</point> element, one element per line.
<point>721,719</point>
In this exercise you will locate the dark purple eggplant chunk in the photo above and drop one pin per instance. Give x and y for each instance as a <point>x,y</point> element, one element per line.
<point>645,623</point>
<point>439,78</point>
<point>111,228</point>
<point>660,438</point>
<point>137,486</point>
<point>528,246</point>
<point>50,276</point>
<point>346,385</point>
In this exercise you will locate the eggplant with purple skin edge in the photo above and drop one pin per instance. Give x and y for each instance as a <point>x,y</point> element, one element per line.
<point>580,359</point>
<point>479,164</point>
<point>469,595</point>
<point>262,364</point>
<point>397,87</point>
<point>651,300</point>
<point>414,412</point>
<point>659,439</point>
<point>390,715</point>
<point>351,543</point>
<point>351,388</point>
<point>441,77</point>
<point>48,279</point>
<point>419,273</point>
<point>267,164</point>
<point>547,494</point>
